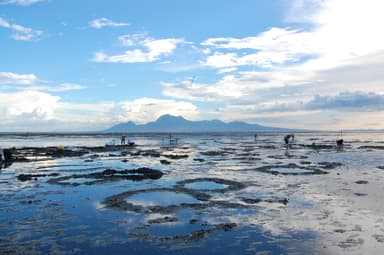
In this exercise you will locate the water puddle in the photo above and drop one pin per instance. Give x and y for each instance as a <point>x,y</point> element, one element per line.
<point>284,170</point>
<point>206,185</point>
<point>78,181</point>
<point>161,198</point>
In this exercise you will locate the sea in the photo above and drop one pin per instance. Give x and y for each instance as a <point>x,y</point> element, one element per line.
<point>192,193</point>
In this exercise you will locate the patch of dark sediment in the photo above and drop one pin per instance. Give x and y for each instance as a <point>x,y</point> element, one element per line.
<point>166,201</point>
<point>283,201</point>
<point>175,156</point>
<point>199,234</point>
<point>29,177</point>
<point>371,147</point>
<point>209,184</point>
<point>215,153</point>
<point>128,201</point>
<point>108,175</point>
<point>190,237</point>
<point>361,182</point>
<point>37,153</point>
<point>25,153</point>
<point>289,169</point>
<point>316,146</point>
<point>162,220</point>
<point>329,165</point>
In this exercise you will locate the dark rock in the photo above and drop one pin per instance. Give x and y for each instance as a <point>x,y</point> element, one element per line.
<point>165,162</point>
<point>109,175</point>
<point>175,156</point>
<point>28,177</point>
<point>329,165</point>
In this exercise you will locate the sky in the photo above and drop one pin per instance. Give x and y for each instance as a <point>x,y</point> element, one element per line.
<point>84,65</point>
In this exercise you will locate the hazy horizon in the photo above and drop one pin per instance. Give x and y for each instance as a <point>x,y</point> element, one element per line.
<point>80,66</point>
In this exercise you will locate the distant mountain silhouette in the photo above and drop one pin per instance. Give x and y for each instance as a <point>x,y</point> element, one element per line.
<point>169,123</point>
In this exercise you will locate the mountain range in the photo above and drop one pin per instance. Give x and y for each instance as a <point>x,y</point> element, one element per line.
<point>169,123</point>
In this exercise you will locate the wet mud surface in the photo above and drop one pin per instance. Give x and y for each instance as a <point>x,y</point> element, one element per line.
<point>216,194</point>
<point>108,175</point>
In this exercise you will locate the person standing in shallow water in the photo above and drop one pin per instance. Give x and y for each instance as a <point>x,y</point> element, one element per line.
<point>123,137</point>
<point>288,139</point>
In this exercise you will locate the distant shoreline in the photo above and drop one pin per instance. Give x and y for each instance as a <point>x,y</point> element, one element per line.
<point>100,133</point>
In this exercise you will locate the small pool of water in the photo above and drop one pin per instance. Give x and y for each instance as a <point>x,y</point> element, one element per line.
<point>161,198</point>
<point>79,180</point>
<point>206,185</point>
<point>287,170</point>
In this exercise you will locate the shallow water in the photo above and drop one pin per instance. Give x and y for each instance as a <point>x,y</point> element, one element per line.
<point>205,185</point>
<point>160,198</point>
<point>219,194</point>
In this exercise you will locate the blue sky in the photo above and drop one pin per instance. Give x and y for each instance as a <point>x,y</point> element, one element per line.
<point>86,65</point>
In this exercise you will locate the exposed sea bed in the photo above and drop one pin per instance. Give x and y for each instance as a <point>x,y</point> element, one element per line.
<point>210,194</point>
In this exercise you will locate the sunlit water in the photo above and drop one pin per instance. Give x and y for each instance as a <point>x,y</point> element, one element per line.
<point>339,212</point>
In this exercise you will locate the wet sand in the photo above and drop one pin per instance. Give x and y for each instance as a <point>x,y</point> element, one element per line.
<point>209,195</point>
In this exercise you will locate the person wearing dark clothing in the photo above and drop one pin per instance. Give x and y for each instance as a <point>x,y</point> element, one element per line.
<point>123,137</point>
<point>288,138</point>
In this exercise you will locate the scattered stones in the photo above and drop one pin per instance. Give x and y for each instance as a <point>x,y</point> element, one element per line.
<point>350,242</point>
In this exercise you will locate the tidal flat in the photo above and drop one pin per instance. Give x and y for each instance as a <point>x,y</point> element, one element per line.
<point>207,194</point>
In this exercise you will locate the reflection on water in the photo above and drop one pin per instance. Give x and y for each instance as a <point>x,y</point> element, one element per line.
<point>205,185</point>
<point>258,197</point>
<point>161,198</point>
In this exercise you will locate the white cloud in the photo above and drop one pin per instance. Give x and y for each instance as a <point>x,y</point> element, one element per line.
<point>272,47</point>
<point>60,88</point>
<point>22,2</point>
<point>337,59</point>
<point>21,33</point>
<point>40,111</point>
<point>14,78</point>
<point>30,81</point>
<point>341,30</point>
<point>224,90</point>
<point>144,110</point>
<point>147,49</point>
<point>37,105</point>
<point>104,22</point>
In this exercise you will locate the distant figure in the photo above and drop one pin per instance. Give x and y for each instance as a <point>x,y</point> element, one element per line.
<point>288,139</point>
<point>111,143</point>
<point>123,137</point>
<point>339,143</point>
<point>131,143</point>
<point>340,140</point>
<point>255,137</point>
